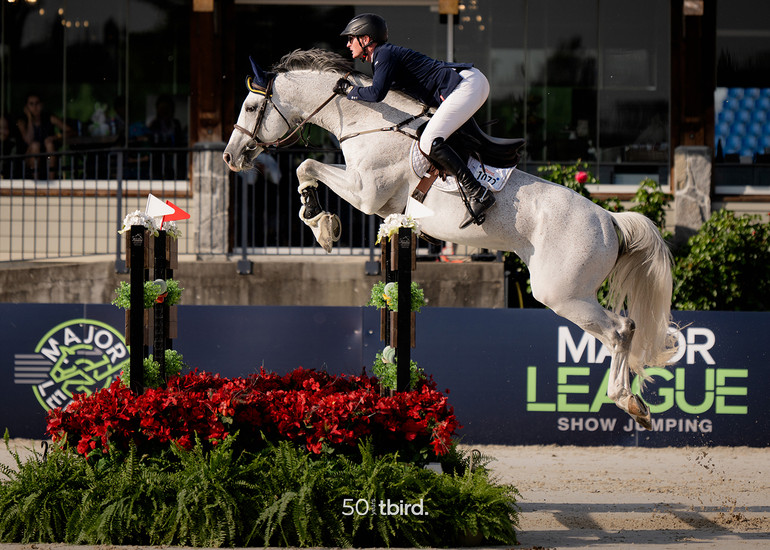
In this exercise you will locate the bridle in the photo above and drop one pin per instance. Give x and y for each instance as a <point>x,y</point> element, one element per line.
<point>294,133</point>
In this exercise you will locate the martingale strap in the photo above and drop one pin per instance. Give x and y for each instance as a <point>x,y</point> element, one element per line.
<point>425,184</point>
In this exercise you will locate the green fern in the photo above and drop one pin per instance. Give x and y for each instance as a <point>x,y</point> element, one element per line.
<point>37,500</point>
<point>220,496</point>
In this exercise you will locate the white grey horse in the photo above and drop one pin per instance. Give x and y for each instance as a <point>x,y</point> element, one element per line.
<point>569,244</point>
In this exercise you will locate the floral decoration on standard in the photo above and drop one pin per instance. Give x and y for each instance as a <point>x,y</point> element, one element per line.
<point>393,223</point>
<point>137,217</point>
<point>386,295</point>
<point>386,370</point>
<point>155,292</point>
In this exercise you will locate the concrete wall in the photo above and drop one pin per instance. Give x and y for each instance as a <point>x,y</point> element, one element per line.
<point>275,281</point>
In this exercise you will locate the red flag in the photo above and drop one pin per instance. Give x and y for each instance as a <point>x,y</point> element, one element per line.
<point>178,214</point>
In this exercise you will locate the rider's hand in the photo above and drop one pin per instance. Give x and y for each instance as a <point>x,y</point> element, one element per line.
<point>342,86</point>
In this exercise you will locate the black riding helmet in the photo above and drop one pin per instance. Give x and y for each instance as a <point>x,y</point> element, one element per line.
<point>367,24</point>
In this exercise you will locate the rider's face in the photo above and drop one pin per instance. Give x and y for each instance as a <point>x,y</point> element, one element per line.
<point>356,45</point>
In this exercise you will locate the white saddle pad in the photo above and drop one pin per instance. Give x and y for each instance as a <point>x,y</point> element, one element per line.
<point>493,178</point>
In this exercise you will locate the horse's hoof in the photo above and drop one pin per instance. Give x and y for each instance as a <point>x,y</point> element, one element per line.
<point>638,410</point>
<point>329,231</point>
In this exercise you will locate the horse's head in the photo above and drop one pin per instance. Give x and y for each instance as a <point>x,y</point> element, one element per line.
<point>259,124</point>
<point>264,122</point>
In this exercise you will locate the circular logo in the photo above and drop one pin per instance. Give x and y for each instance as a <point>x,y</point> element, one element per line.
<point>76,356</point>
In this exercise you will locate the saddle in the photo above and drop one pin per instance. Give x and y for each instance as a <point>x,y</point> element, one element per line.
<point>470,141</point>
<point>479,150</point>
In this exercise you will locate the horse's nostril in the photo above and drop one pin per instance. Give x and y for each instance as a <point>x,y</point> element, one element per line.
<point>227,157</point>
<point>251,144</point>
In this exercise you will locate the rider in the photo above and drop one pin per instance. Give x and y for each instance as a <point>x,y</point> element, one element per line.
<point>457,90</point>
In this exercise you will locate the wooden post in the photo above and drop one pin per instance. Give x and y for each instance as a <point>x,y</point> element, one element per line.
<point>136,254</point>
<point>160,311</point>
<point>397,329</point>
<point>142,324</point>
<point>404,314</point>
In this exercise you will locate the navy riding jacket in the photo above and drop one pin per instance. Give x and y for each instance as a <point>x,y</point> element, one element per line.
<point>425,79</point>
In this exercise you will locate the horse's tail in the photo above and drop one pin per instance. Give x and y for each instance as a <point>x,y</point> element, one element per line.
<point>641,280</point>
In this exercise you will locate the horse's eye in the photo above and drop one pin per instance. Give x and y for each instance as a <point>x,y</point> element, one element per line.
<point>250,108</point>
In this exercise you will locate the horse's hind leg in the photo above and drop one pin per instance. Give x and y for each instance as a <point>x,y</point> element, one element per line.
<point>616,333</point>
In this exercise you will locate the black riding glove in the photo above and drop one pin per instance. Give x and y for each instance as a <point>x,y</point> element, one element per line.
<point>342,86</point>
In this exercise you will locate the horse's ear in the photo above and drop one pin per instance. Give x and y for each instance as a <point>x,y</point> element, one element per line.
<point>260,76</point>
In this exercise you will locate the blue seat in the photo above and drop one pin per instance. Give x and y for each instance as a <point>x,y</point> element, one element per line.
<point>722,129</point>
<point>738,129</point>
<point>735,93</point>
<point>748,103</point>
<point>749,143</point>
<point>744,115</point>
<point>764,92</point>
<point>752,92</point>
<point>733,144</point>
<point>763,104</point>
<point>759,115</point>
<point>764,143</point>
<point>754,129</point>
<point>726,115</point>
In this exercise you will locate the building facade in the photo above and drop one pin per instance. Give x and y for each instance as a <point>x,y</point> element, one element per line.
<point>619,85</point>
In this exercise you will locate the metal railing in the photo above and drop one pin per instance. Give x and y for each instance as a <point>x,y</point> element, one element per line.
<point>72,204</point>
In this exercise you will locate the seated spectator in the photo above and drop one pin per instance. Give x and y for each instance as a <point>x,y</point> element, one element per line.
<point>38,132</point>
<point>166,130</point>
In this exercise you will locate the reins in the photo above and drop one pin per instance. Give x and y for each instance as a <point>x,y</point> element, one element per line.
<point>396,128</point>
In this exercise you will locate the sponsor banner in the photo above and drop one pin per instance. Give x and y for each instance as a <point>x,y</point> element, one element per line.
<point>514,376</point>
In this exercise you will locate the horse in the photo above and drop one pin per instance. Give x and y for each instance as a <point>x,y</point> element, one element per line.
<point>570,244</point>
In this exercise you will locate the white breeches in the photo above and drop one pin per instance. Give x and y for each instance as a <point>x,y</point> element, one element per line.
<point>457,108</point>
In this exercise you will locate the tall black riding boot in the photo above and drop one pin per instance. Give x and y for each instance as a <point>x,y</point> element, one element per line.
<point>480,199</point>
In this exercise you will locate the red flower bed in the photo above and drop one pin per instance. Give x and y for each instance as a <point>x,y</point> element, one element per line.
<point>308,407</point>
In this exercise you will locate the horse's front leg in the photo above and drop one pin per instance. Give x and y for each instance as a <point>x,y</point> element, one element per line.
<point>326,226</point>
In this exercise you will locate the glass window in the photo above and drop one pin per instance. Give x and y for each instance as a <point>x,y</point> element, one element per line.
<point>97,67</point>
<point>742,97</point>
<point>579,79</point>
<point>634,82</point>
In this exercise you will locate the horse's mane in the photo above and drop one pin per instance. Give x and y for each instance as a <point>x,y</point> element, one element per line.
<point>314,59</point>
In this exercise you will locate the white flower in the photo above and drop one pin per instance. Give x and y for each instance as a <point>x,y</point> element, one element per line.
<point>137,217</point>
<point>394,222</point>
<point>172,230</point>
<point>388,354</point>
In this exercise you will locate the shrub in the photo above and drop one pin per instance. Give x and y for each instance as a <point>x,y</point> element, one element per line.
<point>725,266</point>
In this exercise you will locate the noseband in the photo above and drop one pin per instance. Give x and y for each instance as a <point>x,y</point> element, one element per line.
<point>294,134</point>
